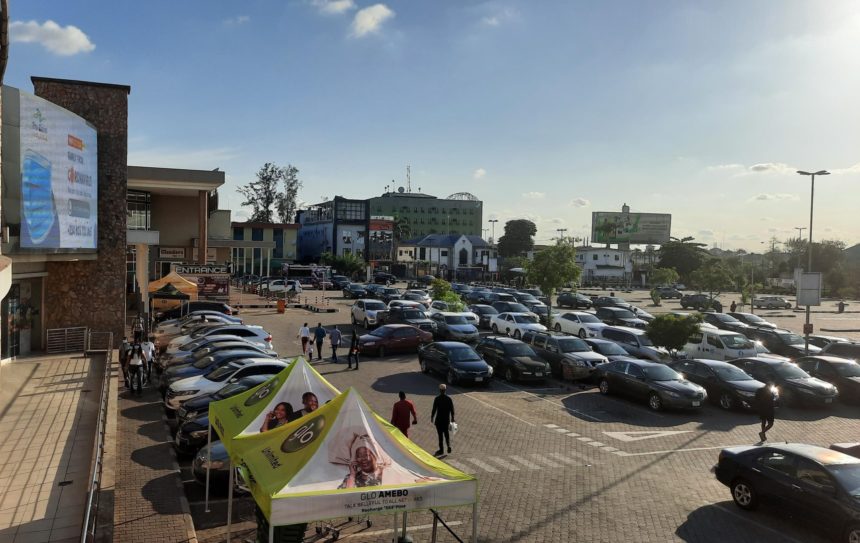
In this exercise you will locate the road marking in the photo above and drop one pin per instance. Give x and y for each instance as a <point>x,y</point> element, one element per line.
<point>484,466</point>
<point>561,430</point>
<point>469,395</point>
<point>523,461</point>
<point>608,449</point>
<point>581,456</point>
<point>564,459</point>
<point>550,426</point>
<point>504,463</point>
<point>691,449</point>
<point>558,404</point>
<point>542,460</point>
<point>758,524</point>
<point>584,439</point>
<point>459,466</point>
<point>572,434</point>
<point>649,434</point>
<point>596,444</point>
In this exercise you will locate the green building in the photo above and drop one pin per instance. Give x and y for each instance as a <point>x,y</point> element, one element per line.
<point>459,213</point>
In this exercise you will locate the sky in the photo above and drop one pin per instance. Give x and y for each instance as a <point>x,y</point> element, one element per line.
<point>546,110</point>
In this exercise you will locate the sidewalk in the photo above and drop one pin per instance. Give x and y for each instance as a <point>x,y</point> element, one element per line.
<point>48,410</point>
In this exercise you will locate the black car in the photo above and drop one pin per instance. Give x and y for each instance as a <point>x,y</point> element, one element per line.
<point>782,342</point>
<point>410,315</point>
<point>205,364</point>
<point>541,310</point>
<point>611,350</point>
<point>510,307</point>
<point>796,387</point>
<point>484,313</point>
<point>384,279</point>
<point>844,350</point>
<point>659,384</point>
<point>823,341</point>
<point>355,291</point>
<point>569,357</point>
<point>573,300</point>
<point>668,293</point>
<point>210,347</point>
<point>196,305</point>
<point>727,385</point>
<point>456,361</point>
<point>610,301</point>
<point>701,302</point>
<point>843,373</point>
<point>198,406</point>
<point>752,319</point>
<point>513,359</point>
<point>478,295</point>
<point>724,321</point>
<point>820,485</point>
<point>339,281</point>
<point>386,294</point>
<point>617,316</point>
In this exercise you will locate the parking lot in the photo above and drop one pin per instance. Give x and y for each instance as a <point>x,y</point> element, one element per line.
<point>557,461</point>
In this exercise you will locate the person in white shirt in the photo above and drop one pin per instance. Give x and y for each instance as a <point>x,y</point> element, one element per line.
<point>136,360</point>
<point>148,349</point>
<point>305,335</point>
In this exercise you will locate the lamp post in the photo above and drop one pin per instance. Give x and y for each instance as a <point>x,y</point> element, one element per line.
<point>493,222</point>
<point>806,326</point>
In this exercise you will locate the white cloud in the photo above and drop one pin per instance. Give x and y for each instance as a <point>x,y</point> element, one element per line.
<point>725,167</point>
<point>760,168</point>
<point>370,20</point>
<point>60,40</point>
<point>479,173</point>
<point>499,17</point>
<point>775,167</point>
<point>238,20</point>
<point>778,196</point>
<point>579,202</point>
<point>333,7</point>
<point>534,195</point>
<point>706,233</point>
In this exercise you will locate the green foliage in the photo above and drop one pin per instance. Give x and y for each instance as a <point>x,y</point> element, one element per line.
<point>441,290</point>
<point>673,331</point>
<point>683,256</point>
<point>266,197</point>
<point>664,276</point>
<point>553,268</point>
<point>712,277</point>
<point>517,238</point>
<point>347,265</point>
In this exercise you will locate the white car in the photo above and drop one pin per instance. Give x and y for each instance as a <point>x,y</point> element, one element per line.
<point>771,302</point>
<point>578,323</point>
<point>280,285</point>
<point>166,331</point>
<point>471,317</point>
<point>185,389</point>
<point>253,334</point>
<point>364,312</point>
<point>515,324</point>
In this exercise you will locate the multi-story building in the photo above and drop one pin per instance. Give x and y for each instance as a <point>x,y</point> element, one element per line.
<point>339,226</point>
<point>460,213</point>
<point>603,265</point>
<point>258,260</point>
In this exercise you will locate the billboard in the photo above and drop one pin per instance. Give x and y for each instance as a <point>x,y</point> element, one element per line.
<point>213,280</point>
<point>615,227</point>
<point>59,177</point>
<point>381,237</point>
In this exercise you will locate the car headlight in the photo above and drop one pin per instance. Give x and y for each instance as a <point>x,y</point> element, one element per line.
<point>576,363</point>
<point>188,415</point>
<point>185,392</point>
<point>490,371</point>
<point>199,434</point>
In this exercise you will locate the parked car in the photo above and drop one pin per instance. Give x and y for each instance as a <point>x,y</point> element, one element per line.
<point>457,361</point>
<point>700,302</point>
<point>205,364</point>
<point>845,350</point>
<point>609,349</point>
<point>617,316</point>
<point>724,321</point>
<point>823,341</point>
<point>439,305</point>
<point>391,338</point>
<point>751,319</point>
<point>426,280</point>
<point>409,315</point>
<point>541,310</point>
<point>384,278</point>
<point>365,312</point>
<point>578,323</point>
<point>821,484</point>
<point>199,406</point>
<point>169,329</point>
<point>842,373</point>
<point>485,314</point>
<point>478,295</point>
<point>512,359</point>
<point>251,333</point>
<point>515,324</point>
<point>569,357</point>
<point>454,327</point>
<point>796,387</point>
<point>354,290</point>
<point>771,302</point>
<point>573,300</point>
<point>196,305</point>
<point>719,345</point>
<point>636,342</point>
<point>183,390</point>
<point>200,347</point>
<point>387,294</point>
<point>491,298</point>
<point>281,285</point>
<point>669,293</point>
<point>510,307</point>
<point>642,314</point>
<point>214,461</point>
<point>610,301</point>
<point>659,384</point>
<point>728,386</point>
<point>339,281</point>
<point>417,296</point>
<point>783,342</point>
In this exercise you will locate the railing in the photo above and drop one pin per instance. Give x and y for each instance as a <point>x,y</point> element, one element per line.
<point>64,340</point>
<point>98,342</point>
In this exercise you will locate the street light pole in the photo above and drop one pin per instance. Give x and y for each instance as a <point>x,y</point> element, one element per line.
<point>493,222</point>
<point>806,327</point>
<point>800,230</point>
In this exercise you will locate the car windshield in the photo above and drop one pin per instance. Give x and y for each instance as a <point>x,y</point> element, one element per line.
<point>722,317</point>
<point>519,349</point>
<point>232,389</point>
<point>791,339</point>
<point>486,310</point>
<point>617,300</point>
<point>223,372</point>
<point>200,353</point>
<point>374,306</point>
<point>525,319</point>
<point>753,318</point>
<point>588,318</point>
<point>624,314</point>
<point>381,332</point>
<point>413,314</point>
<point>731,373</point>
<point>519,308</point>
<point>540,309</point>
<point>645,341</point>
<point>204,362</point>
<point>736,341</point>
<point>661,373</point>
<point>463,354</point>
<point>790,371</point>
<point>848,476</point>
<point>572,345</point>
<point>609,349</point>
<point>848,370</point>
<point>455,319</point>
<point>391,291</point>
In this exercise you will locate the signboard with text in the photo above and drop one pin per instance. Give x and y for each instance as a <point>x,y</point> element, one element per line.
<point>213,280</point>
<point>638,228</point>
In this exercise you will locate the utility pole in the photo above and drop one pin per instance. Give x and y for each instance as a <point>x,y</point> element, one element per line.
<point>561,232</point>
<point>408,179</point>
<point>800,230</point>
<point>493,223</point>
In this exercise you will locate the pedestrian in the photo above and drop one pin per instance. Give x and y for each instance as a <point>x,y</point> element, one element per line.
<point>305,335</point>
<point>124,348</point>
<point>309,354</point>
<point>442,416</point>
<point>335,337</point>
<point>148,348</point>
<point>319,336</point>
<point>353,350</point>
<point>400,414</point>
<point>733,307</point>
<point>765,407</point>
<point>135,367</point>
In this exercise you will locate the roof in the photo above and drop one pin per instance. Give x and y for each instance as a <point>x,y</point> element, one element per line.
<point>443,240</point>
<point>126,88</point>
<point>816,453</point>
<point>253,224</point>
<point>831,359</point>
<point>173,181</point>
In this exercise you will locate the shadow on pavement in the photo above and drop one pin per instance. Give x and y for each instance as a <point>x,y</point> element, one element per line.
<point>156,457</point>
<point>723,521</point>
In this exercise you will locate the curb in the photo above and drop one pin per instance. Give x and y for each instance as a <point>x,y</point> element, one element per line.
<point>316,309</point>
<point>190,532</point>
<point>838,330</point>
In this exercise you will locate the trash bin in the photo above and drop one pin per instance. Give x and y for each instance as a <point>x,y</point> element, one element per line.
<point>282,306</point>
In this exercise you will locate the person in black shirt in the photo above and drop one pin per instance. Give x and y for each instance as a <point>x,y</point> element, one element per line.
<point>353,350</point>
<point>441,416</point>
<point>765,407</point>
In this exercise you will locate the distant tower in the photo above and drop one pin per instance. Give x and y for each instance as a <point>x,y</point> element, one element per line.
<point>625,208</point>
<point>408,179</point>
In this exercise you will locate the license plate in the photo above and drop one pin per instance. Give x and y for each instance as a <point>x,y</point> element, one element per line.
<point>538,374</point>
<point>697,403</point>
<point>828,400</point>
<point>478,379</point>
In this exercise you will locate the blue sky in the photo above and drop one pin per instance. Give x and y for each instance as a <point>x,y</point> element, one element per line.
<point>547,109</point>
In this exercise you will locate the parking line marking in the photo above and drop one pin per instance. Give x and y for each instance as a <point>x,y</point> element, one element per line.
<point>550,425</point>
<point>469,395</point>
<point>459,466</point>
<point>691,449</point>
<point>581,456</point>
<point>572,434</point>
<point>482,465</point>
<point>608,449</point>
<point>584,439</point>
<point>561,430</point>
<point>504,463</point>
<point>541,460</point>
<point>523,461</point>
<point>596,444</point>
<point>758,524</point>
<point>564,459</point>
<point>557,404</point>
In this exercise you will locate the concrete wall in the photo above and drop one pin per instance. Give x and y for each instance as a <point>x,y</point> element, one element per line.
<point>220,225</point>
<point>175,217</point>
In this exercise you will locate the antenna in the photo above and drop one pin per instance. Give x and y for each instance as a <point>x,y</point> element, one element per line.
<point>408,179</point>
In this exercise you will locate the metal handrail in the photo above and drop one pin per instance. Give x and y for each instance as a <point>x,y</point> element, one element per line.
<point>88,531</point>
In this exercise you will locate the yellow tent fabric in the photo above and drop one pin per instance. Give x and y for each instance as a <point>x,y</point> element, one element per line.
<point>182,284</point>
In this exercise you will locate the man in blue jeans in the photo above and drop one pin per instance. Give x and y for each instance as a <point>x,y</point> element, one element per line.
<point>335,337</point>
<point>319,336</point>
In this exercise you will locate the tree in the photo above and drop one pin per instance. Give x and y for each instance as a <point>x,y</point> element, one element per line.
<point>683,255</point>
<point>712,277</point>
<point>402,228</point>
<point>552,268</point>
<point>441,290</point>
<point>265,196</point>
<point>664,276</point>
<point>673,331</point>
<point>348,264</point>
<point>517,238</point>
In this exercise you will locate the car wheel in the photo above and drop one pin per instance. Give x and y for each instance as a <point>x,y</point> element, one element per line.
<point>366,324</point>
<point>517,334</point>
<point>381,352</point>
<point>683,306</point>
<point>655,402</point>
<point>557,327</point>
<point>726,401</point>
<point>495,329</point>
<point>582,333</point>
<point>423,364</point>
<point>452,379</point>
<point>744,494</point>
<point>604,387</point>
<point>852,534</point>
<point>509,375</point>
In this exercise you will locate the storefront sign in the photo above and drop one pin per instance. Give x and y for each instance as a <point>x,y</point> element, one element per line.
<point>211,254</point>
<point>174,253</point>
<point>203,269</point>
<point>212,287</point>
<point>213,280</point>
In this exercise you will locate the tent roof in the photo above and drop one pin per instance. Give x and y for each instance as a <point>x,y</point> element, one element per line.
<point>169,291</point>
<point>176,280</point>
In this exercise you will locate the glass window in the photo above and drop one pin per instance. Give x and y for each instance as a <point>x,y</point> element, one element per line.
<point>594,257</point>
<point>138,207</point>
<point>714,342</point>
<point>238,233</point>
<point>779,462</point>
<point>278,238</point>
<point>814,475</point>
<point>256,234</point>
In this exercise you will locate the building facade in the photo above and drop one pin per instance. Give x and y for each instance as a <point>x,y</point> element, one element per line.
<point>602,265</point>
<point>339,226</point>
<point>425,214</point>
<point>258,260</point>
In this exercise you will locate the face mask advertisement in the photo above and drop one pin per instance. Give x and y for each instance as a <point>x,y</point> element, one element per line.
<point>59,177</point>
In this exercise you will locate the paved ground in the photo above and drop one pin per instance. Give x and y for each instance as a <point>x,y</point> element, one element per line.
<point>48,409</point>
<point>560,463</point>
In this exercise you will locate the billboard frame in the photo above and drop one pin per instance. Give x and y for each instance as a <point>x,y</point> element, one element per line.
<point>657,228</point>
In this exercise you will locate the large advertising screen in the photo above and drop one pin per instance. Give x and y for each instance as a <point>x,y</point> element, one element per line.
<point>614,227</point>
<point>59,177</point>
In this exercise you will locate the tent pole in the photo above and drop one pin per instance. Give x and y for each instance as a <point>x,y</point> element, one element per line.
<point>208,463</point>
<point>271,533</point>
<point>230,504</point>
<point>403,536</point>
<point>395,528</point>
<point>475,522</point>
<point>435,524</point>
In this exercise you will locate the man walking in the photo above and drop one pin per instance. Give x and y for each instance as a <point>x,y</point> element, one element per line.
<point>353,350</point>
<point>135,367</point>
<point>305,335</point>
<point>400,414</point>
<point>442,415</point>
<point>335,337</point>
<point>765,407</point>
<point>123,359</point>
<point>148,348</point>
<point>733,307</point>
<point>319,336</point>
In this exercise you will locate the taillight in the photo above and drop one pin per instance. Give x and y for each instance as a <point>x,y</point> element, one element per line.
<point>268,338</point>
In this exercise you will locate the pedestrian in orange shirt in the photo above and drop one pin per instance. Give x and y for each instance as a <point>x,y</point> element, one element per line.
<point>400,414</point>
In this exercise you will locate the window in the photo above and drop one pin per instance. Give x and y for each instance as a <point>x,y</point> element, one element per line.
<point>634,371</point>
<point>238,233</point>
<point>256,234</point>
<point>779,462</point>
<point>278,238</point>
<point>695,338</point>
<point>616,258</point>
<point>594,257</point>
<point>444,253</point>
<point>714,342</point>
<point>138,207</point>
<point>353,211</point>
<point>813,475</point>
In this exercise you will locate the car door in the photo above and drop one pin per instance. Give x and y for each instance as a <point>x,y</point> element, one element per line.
<point>715,347</point>
<point>635,382</point>
<point>773,474</point>
<point>814,493</point>
<point>401,340</point>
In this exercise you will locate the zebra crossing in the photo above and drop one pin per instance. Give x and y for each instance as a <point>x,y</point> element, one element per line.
<point>587,440</point>
<point>525,462</point>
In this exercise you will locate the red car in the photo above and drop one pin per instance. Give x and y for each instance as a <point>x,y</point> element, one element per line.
<point>393,338</point>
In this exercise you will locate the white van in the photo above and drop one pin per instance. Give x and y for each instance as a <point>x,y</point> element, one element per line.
<point>719,345</point>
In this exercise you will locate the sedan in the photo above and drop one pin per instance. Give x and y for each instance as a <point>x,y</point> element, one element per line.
<point>618,316</point>
<point>752,319</point>
<point>417,296</point>
<point>611,350</point>
<point>796,387</point>
<point>455,327</point>
<point>513,359</point>
<point>569,357</point>
<point>579,323</point>
<point>185,389</point>
<point>213,344</point>
<point>205,364</point>
<point>610,301</point>
<point>456,361</point>
<point>822,484</point>
<point>485,314</point>
<point>573,300</point>
<point>668,293</point>
<point>724,321</point>
<point>393,338</point>
<point>354,291</point>
<point>387,294</point>
<point>200,405</point>
<point>515,324</point>
<point>782,342</point>
<point>726,384</point>
<point>842,373</point>
<point>659,384</point>
<point>214,461</point>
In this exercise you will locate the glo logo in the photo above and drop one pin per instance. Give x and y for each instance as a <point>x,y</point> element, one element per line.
<point>261,394</point>
<point>304,436</point>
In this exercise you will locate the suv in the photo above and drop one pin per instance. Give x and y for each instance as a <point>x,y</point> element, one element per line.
<point>668,293</point>
<point>724,321</point>
<point>620,317</point>
<point>635,342</point>
<point>365,312</point>
<point>569,357</point>
<point>512,359</point>
<point>410,315</point>
<point>771,302</point>
<point>702,302</point>
<point>610,301</point>
<point>382,278</point>
<point>573,300</point>
<point>783,342</point>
